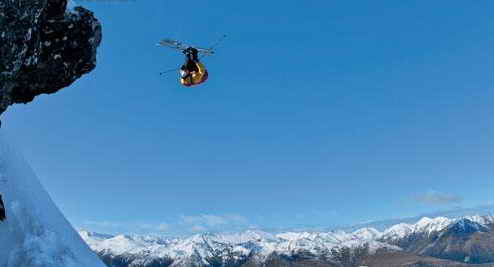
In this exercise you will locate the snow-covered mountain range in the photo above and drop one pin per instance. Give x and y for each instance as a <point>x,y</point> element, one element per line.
<point>202,248</point>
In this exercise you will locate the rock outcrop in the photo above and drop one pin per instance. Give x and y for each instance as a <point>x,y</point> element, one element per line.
<point>43,48</point>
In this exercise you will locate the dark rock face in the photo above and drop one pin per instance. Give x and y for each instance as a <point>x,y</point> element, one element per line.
<point>43,48</point>
<point>404,259</point>
<point>465,227</point>
<point>463,241</point>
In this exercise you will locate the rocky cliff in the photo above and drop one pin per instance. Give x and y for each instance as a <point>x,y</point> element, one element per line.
<point>43,48</point>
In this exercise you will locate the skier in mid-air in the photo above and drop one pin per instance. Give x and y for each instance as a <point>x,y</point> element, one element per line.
<point>193,72</point>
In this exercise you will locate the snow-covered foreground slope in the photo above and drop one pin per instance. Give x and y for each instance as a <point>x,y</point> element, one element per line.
<point>35,232</point>
<point>199,249</point>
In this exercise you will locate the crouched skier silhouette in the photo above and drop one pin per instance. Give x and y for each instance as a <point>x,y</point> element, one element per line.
<point>193,72</point>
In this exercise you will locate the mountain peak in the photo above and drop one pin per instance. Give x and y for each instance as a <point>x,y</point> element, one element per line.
<point>429,225</point>
<point>259,246</point>
<point>94,235</point>
<point>466,226</point>
<point>368,233</point>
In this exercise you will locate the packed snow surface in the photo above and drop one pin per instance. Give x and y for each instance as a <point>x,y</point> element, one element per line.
<point>35,233</point>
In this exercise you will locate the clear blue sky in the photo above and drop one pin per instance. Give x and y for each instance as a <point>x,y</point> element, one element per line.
<point>317,113</point>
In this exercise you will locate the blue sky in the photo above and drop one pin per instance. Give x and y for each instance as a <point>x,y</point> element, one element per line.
<point>316,113</point>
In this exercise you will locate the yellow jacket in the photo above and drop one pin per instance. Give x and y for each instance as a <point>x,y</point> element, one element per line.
<point>195,77</point>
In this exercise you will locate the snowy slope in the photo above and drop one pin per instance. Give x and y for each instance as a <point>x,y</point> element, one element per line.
<point>35,232</point>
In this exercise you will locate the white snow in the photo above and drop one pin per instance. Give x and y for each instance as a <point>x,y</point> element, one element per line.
<point>398,231</point>
<point>259,243</point>
<point>368,233</point>
<point>429,225</point>
<point>263,244</point>
<point>35,233</point>
<point>425,225</point>
<point>483,220</point>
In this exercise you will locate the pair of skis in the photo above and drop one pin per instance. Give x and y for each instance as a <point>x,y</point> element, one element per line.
<point>174,44</point>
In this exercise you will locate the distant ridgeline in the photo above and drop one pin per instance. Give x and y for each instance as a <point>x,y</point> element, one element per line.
<point>440,241</point>
<point>43,48</point>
